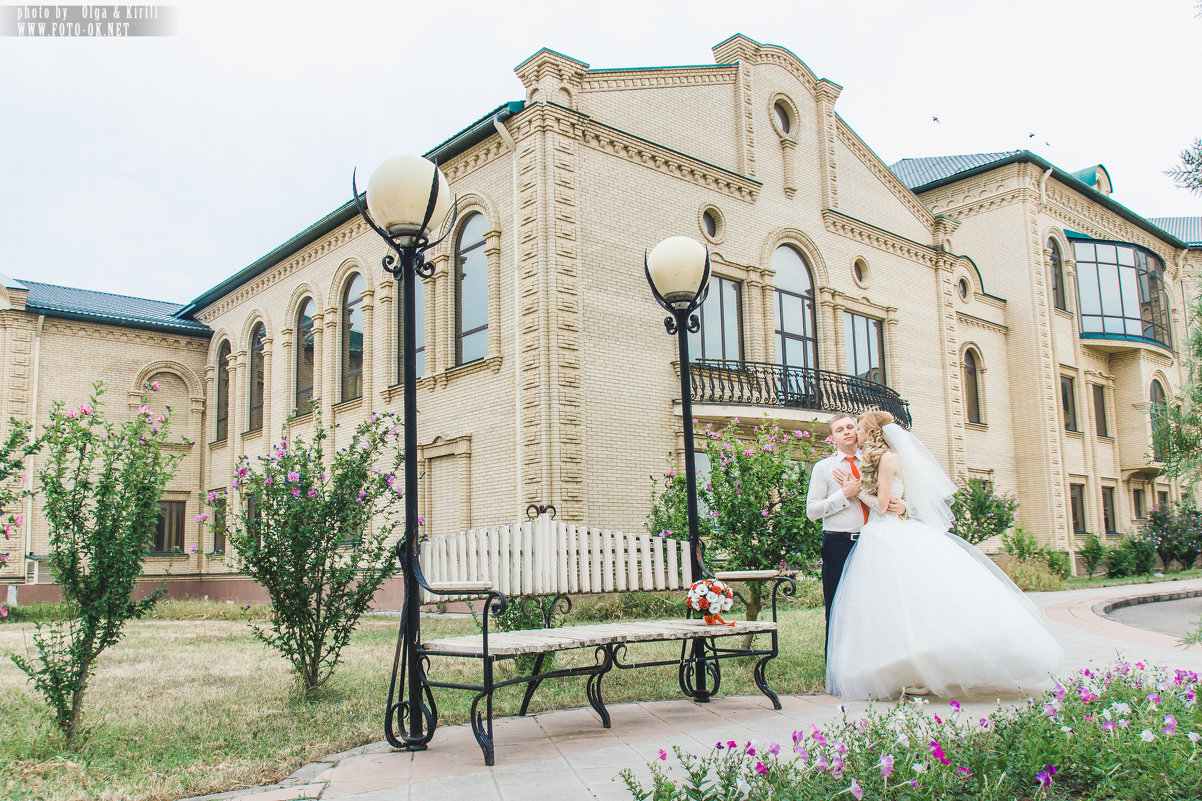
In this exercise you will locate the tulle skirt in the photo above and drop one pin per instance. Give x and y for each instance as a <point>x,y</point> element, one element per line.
<point>921,608</point>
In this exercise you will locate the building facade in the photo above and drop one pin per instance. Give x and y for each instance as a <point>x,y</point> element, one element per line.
<point>1017,314</point>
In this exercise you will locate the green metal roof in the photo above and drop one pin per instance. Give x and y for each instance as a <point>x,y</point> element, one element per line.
<point>102,307</point>
<point>925,174</point>
<point>1187,229</point>
<point>472,135</point>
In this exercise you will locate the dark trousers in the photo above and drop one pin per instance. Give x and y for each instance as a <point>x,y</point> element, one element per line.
<point>835,550</point>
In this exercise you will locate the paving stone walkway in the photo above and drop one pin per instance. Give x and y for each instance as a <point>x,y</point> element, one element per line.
<point>566,755</point>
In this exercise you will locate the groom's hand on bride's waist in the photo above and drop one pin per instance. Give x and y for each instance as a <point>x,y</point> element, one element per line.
<point>896,506</point>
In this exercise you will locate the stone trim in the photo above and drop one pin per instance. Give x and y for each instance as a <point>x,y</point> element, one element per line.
<point>879,238</point>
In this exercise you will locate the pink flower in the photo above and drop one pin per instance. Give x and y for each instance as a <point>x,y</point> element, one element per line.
<point>855,790</point>
<point>760,769</point>
<point>267,480</point>
<point>145,410</point>
<point>1049,710</point>
<point>802,754</point>
<point>294,476</point>
<point>203,516</point>
<point>1109,725</point>
<point>663,755</point>
<point>821,764</point>
<point>296,492</point>
<point>886,765</point>
<point>212,496</point>
<point>193,549</point>
<point>3,610</point>
<point>1044,777</point>
<point>955,705</point>
<point>154,386</point>
<point>1170,725</point>
<point>964,771</point>
<point>72,414</point>
<point>937,752</point>
<point>312,493</point>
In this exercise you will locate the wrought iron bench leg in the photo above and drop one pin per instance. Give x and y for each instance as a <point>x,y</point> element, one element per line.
<point>482,725</point>
<point>761,680</point>
<point>593,687</point>
<point>693,653</point>
<point>532,686</point>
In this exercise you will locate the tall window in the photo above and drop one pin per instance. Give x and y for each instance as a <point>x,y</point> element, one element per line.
<point>304,357</point>
<point>218,524</point>
<point>257,377</point>
<point>1162,498</point>
<point>1068,402</point>
<point>471,292</point>
<point>1056,267</point>
<point>169,533</point>
<point>796,330</point>
<point>1157,397</point>
<point>972,387</point>
<point>1108,510</point>
<point>1137,501</point>
<point>419,329</point>
<point>1121,292</point>
<point>1076,501</point>
<point>352,339</point>
<point>1099,411</point>
<point>865,338</point>
<point>223,392</point>
<point>721,335</point>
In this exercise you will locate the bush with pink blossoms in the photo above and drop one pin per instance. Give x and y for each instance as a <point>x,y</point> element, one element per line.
<point>1128,731</point>
<point>313,530</point>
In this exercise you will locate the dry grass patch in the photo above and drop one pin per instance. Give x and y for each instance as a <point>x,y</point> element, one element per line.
<point>189,707</point>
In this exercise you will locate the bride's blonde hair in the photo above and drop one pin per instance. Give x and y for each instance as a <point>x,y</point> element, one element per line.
<point>874,446</point>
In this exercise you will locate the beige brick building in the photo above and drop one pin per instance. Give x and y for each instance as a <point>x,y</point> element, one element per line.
<point>960,284</point>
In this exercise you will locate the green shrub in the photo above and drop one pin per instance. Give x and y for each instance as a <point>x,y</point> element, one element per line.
<point>1092,552</point>
<point>1134,556</point>
<point>1057,562</point>
<point>629,606</point>
<point>979,512</point>
<point>1021,544</point>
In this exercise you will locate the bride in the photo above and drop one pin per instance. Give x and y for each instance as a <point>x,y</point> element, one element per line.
<point>919,608</point>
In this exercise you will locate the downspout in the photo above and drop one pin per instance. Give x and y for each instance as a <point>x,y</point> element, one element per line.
<point>511,146</point>
<point>37,361</point>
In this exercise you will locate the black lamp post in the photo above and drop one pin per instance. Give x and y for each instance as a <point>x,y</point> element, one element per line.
<point>678,270</point>
<point>405,195</point>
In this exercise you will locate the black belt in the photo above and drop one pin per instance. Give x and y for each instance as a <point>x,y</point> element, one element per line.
<point>851,535</point>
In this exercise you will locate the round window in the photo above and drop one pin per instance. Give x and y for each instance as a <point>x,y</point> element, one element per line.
<point>962,288</point>
<point>711,225</point>
<point>860,273</point>
<point>858,269</point>
<point>782,116</point>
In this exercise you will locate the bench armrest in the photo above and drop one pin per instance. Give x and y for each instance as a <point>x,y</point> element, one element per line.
<point>746,575</point>
<point>459,587</point>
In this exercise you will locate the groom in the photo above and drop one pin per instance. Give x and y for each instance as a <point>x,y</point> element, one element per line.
<point>834,485</point>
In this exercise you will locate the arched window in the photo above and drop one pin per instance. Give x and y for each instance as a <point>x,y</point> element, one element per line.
<point>796,331</point>
<point>1158,399</point>
<point>972,387</point>
<point>471,292</point>
<point>257,378</point>
<point>419,330</point>
<point>304,357</point>
<point>352,339</point>
<point>223,392</point>
<point>1056,267</point>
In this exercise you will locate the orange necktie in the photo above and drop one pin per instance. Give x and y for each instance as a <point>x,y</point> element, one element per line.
<point>851,460</point>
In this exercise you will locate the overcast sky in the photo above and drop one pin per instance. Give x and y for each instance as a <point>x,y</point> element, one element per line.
<point>157,167</point>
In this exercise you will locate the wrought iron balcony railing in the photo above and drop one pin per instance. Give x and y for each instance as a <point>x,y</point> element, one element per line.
<point>764,384</point>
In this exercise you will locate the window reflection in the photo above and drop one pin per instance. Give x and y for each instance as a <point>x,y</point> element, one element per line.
<point>304,357</point>
<point>352,339</point>
<point>471,292</point>
<point>720,336</point>
<point>1121,291</point>
<point>865,346</point>
<point>419,330</point>
<point>223,392</point>
<point>793,311</point>
<point>257,378</point>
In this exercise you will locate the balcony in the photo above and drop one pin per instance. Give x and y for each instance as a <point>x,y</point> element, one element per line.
<point>764,384</point>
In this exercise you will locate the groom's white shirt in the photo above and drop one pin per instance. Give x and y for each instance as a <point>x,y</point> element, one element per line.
<point>825,500</point>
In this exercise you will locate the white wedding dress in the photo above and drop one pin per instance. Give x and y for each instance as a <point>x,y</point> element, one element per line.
<point>919,607</point>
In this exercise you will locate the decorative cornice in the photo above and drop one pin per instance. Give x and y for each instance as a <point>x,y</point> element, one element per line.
<point>878,168</point>
<point>341,236</point>
<point>627,146</point>
<point>126,335</point>
<point>977,322</point>
<point>657,78</point>
<point>878,238</point>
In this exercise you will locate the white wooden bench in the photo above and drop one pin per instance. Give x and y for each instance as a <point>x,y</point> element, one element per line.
<point>549,560</point>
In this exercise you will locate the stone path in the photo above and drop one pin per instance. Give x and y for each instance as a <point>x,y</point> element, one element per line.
<point>567,755</point>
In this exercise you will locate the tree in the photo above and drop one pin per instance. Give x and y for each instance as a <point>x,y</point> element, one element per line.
<point>979,512</point>
<point>1177,425</point>
<point>101,486</point>
<point>1188,174</point>
<point>314,535</point>
<point>12,481</point>
<point>755,497</point>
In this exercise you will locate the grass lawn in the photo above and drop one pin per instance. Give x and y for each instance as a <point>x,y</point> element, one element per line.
<point>184,707</point>
<point>1100,580</point>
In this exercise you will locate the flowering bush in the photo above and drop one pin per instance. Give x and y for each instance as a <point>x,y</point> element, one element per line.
<point>711,598</point>
<point>12,482</point>
<point>1134,556</point>
<point>754,501</point>
<point>302,526</point>
<point>101,485</point>
<point>1175,532</point>
<point>979,511</point>
<point>1129,731</point>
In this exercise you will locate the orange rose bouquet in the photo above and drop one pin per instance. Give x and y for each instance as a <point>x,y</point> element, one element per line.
<point>711,598</point>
